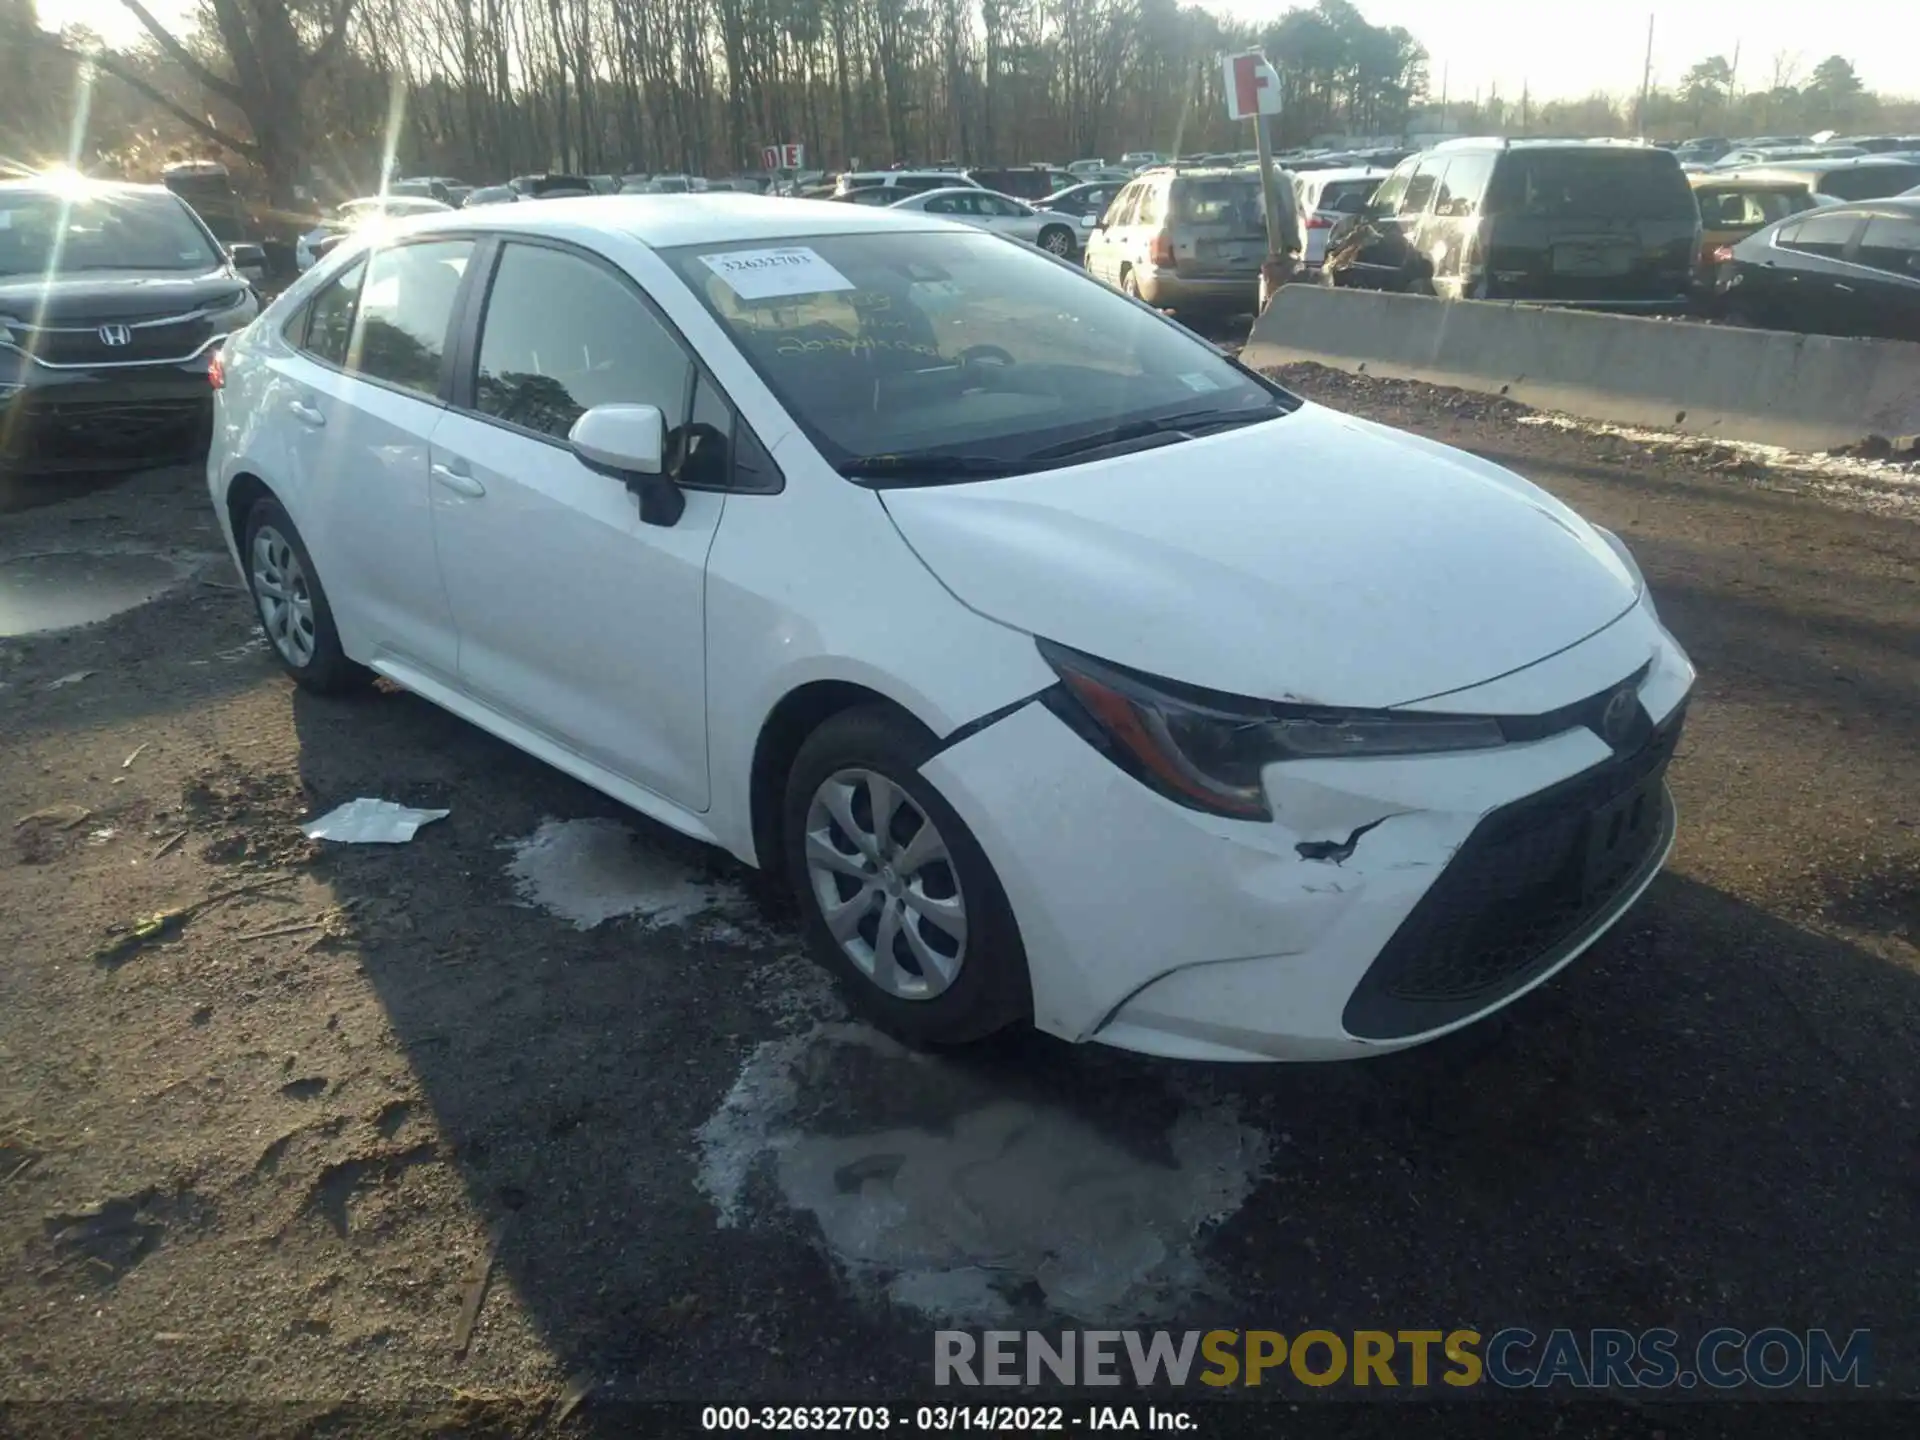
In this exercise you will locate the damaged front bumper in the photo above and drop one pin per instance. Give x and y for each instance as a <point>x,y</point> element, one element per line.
<point>1392,900</point>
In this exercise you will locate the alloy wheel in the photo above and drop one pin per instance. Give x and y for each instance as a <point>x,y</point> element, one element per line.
<point>286,601</point>
<point>886,884</point>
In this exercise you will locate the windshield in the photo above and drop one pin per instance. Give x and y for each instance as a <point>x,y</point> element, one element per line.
<point>1597,184</point>
<point>42,232</point>
<point>1869,182</point>
<point>911,346</point>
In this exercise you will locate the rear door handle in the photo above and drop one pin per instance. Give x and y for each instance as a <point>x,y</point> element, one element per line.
<point>306,414</point>
<point>454,477</point>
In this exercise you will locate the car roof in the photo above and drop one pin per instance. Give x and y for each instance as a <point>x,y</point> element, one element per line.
<point>725,217</point>
<point>36,184</point>
<point>963,190</point>
<point>1346,172</point>
<point>1804,169</point>
<point>884,175</point>
<point>1756,177</point>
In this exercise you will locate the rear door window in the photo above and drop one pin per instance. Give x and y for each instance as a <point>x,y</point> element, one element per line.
<point>1460,188</point>
<point>400,326</point>
<point>1421,188</point>
<point>1825,233</point>
<point>1600,182</point>
<point>1386,200</point>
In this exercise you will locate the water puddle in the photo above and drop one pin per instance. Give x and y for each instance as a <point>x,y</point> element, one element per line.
<point>61,589</point>
<point>934,1187</point>
<point>587,872</point>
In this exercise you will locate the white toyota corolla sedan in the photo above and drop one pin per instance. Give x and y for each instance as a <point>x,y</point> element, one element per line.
<point>1071,672</point>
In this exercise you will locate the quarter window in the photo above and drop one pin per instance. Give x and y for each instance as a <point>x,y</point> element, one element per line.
<point>563,335</point>
<point>406,303</point>
<point>330,316</point>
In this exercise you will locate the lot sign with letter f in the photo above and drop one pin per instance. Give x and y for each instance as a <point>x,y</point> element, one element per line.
<point>1252,87</point>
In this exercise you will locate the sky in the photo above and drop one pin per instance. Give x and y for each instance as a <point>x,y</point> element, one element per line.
<point>1557,50</point>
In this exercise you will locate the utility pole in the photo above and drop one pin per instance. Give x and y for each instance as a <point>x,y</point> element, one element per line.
<point>1733,76</point>
<point>1526,106</point>
<point>1646,84</point>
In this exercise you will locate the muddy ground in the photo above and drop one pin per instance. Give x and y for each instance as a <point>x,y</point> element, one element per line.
<point>266,1155</point>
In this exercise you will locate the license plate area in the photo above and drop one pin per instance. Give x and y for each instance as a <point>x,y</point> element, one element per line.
<point>1592,261</point>
<point>1619,836</point>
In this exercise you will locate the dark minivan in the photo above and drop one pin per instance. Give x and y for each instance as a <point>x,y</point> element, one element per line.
<point>1592,223</point>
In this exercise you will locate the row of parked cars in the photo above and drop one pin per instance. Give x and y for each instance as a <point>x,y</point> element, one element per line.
<point>1624,227</point>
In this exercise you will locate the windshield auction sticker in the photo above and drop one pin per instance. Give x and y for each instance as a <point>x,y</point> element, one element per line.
<point>768,274</point>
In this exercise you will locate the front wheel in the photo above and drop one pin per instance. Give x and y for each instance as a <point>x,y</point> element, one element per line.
<point>899,900</point>
<point>1057,240</point>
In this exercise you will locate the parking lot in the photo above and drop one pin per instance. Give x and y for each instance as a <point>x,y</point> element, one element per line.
<point>269,1154</point>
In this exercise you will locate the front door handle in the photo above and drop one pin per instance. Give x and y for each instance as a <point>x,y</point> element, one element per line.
<point>457,480</point>
<point>306,414</point>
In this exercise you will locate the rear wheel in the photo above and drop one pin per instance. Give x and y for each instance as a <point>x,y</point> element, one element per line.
<point>293,609</point>
<point>1129,284</point>
<point>899,900</point>
<point>1057,240</point>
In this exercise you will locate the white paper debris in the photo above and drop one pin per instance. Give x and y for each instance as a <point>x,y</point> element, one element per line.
<point>370,822</point>
<point>765,274</point>
<point>74,679</point>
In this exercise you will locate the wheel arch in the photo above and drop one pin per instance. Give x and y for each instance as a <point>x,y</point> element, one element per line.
<point>244,491</point>
<point>796,715</point>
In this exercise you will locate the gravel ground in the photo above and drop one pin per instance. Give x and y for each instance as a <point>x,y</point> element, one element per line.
<point>266,1155</point>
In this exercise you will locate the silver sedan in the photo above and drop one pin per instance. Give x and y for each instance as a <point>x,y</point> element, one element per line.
<point>1052,231</point>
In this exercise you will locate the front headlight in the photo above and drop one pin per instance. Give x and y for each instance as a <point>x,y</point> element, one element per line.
<point>1206,751</point>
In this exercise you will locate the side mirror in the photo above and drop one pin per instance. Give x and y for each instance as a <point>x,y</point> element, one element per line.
<point>629,442</point>
<point>245,254</point>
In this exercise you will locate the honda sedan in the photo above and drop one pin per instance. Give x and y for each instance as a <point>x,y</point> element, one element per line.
<point>1069,671</point>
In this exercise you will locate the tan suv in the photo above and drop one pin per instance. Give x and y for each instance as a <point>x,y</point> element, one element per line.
<point>1184,239</point>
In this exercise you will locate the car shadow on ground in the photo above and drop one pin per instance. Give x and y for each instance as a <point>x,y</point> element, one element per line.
<point>1706,1120</point>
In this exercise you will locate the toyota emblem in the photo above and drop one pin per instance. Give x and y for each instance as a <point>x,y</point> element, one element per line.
<point>1617,719</point>
<point>115,335</point>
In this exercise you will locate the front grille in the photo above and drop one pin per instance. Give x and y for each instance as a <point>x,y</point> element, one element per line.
<point>1531,880</point>
<point>146,344</point>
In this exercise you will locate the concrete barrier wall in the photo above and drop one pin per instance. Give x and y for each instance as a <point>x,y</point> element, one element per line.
<point>1805,392</point>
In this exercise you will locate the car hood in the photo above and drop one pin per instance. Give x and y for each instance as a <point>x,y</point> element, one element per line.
<point>1315,558</point>
<point>97,296</point>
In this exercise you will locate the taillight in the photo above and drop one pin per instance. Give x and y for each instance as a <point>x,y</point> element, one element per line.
<point>217,368</point>
<point>1721,254</point>
<point>1319,222</point>
<point>1161,251</point>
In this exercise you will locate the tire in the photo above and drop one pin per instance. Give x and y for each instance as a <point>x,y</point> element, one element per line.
<point>1057,241</point>
<point>917,979</point>
<point>291,605</point>
<point>1129,285</point>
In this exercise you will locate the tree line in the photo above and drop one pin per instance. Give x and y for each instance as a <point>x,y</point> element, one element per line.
<point>312,99</point>
<point>483,89</point>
